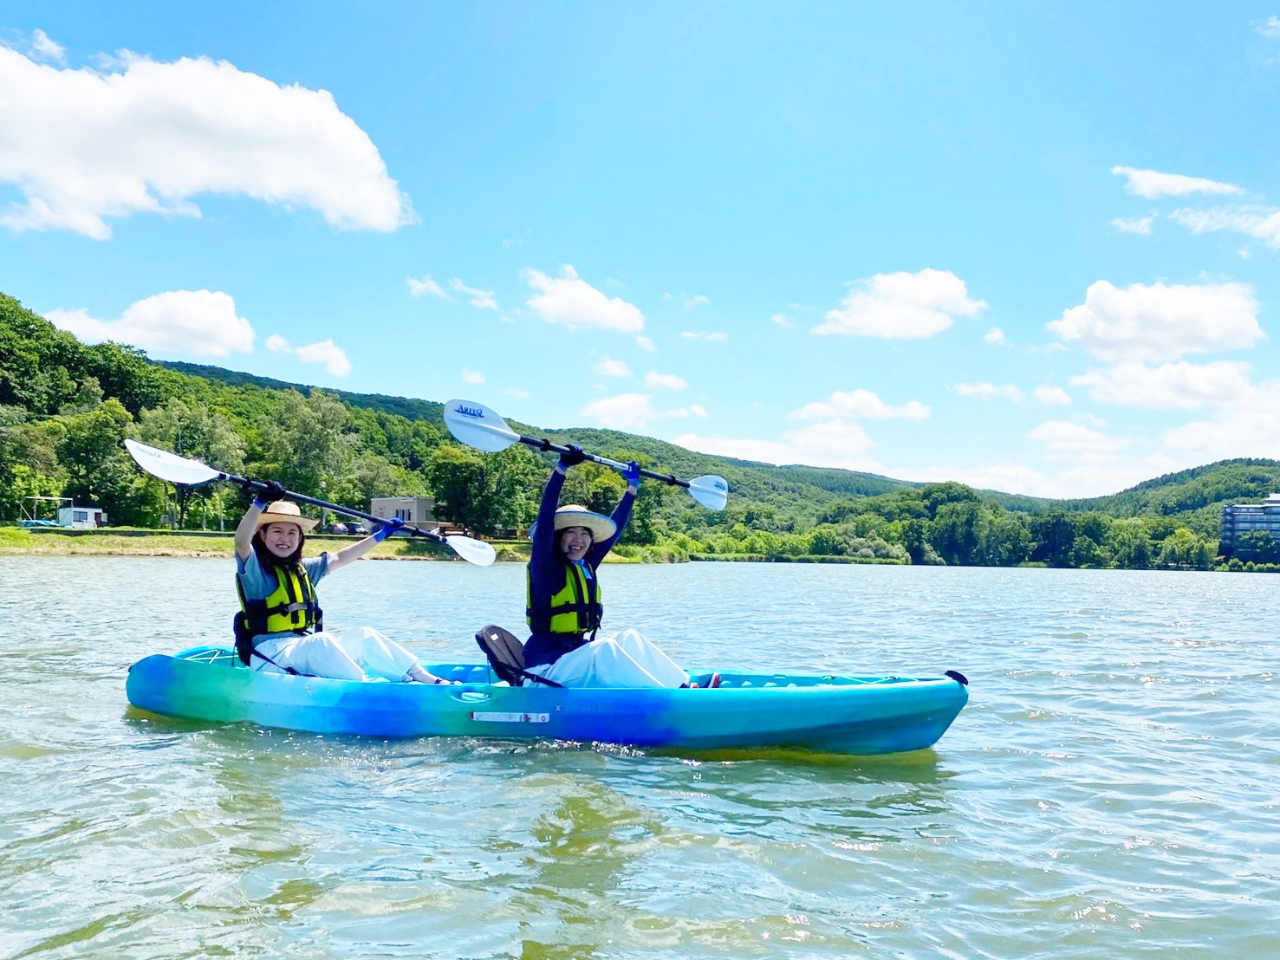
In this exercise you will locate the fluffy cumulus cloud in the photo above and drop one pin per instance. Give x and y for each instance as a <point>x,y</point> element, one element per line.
<point>608,367</point>
<point>859,405</point>
<point>83,146</point>
<point>571,301</point>
<point>326,353</point>
<point>425,285</point>
<point>1170,386</point>
<point>902,306</point>
<point>43,48</point>
<point>698,300</point>
<point>477,298</point>
<point>197,323</point>
<point>634,412</point>
<point>995,336</point>
<point>990,391</point>
<point>665,381</point>
<point>1248,428</point>
<point>1271,28</point>
<point>1162,321</point>
<point>834,443</point>
<point>1153,183</point>
<point>1261,223</point>
<point>1052,396</point>
<point>472,376</point>
<point>1140,225</point>
<point>1075,442</point>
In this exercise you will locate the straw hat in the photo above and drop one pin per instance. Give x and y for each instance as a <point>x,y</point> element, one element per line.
<point>576,515</point>
<point>283,511</point>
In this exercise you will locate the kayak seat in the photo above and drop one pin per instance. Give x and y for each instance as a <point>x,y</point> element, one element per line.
<point>506,656</point>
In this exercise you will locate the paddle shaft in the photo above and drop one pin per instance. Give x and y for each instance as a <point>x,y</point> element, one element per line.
<point>349,511</point>
<point>605,461</point>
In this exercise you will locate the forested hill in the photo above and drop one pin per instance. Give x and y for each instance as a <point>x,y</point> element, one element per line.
<point>65,408</point>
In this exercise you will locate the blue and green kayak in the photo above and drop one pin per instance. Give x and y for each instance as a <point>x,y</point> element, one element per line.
<point>852,715</point>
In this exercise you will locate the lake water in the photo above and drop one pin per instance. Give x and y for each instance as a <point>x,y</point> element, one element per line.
<point>1111,790</point>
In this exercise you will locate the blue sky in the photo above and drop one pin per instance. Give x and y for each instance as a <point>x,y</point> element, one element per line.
<point>1030,247</point>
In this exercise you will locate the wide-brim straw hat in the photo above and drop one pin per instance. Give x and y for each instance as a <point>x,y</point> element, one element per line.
<point>576,515</point>
<point>283,511</point>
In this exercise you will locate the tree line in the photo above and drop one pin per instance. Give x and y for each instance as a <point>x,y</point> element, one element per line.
<point>66,407</point>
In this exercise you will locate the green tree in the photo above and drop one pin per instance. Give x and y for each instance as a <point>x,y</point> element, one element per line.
<point>304,443</point>
<point>191,429</point>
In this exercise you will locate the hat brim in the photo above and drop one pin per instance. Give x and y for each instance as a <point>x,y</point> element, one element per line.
<point>306,524</point>
<point>600,527</point>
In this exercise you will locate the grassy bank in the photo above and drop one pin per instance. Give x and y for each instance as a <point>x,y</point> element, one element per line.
<point>15,540</point>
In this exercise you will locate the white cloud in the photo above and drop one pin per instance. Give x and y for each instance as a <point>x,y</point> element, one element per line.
<point>1152,184</point>
<point>517,393</point>
<point>668,381</point>
<point>634,412</point>
<point>612,368</point>
<point>83,146</point>
<point>1070,441</point>
<point>716,337</point>
<point>479,298</point>
<point>1247,428</point>
<point>696,301</point>
<point>1271,29</point>
<point>859,404</point>
<point>901,306</point>
<point>472,376</point>
<point>325,352</point>
<point>1261,223</point>
<point>697,409</point>
<point>1140,225</point>
<point>1052,396</point>
<point>644,343</point>
<point>42,48</point>
<point>576,304</point>
<point>1171,386</point>
<point>832,443</point>
<point>427,285</point>
<point>199,323</point>
<point>1161,322</point>
<point>989,391</point>
<point>996,336</point>
<point>782,320</point>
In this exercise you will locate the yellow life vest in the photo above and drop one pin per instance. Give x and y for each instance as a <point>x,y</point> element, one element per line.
<point>574,609</point>
<point>290,607</point>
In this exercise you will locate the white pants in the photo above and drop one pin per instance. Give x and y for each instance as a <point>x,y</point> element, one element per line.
<point>625,660</point>
<point>341,656</point>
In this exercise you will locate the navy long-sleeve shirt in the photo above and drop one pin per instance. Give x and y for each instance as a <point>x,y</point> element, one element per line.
<point>548,568</point>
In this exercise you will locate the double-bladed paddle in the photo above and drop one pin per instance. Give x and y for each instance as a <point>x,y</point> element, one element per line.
<point>175,469</point>
<point>478,426</point>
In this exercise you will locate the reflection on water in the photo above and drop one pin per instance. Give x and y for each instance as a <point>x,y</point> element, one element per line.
<point>1109,790</point>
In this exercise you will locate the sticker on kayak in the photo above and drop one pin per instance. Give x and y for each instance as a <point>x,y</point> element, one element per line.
<point>511,717</point>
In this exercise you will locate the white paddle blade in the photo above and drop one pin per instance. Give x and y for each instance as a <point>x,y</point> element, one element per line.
<point>478,426</point>
<point>473,551</point>
<point>710,491</point>
<point>168,466</point>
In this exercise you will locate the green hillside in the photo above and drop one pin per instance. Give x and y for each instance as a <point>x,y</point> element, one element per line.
<point>65,407</point>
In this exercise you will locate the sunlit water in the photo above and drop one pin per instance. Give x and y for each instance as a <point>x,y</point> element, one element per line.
<point>1110,791</point>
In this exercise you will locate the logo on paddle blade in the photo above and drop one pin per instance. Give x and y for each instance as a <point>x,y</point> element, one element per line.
<point>469,412</point>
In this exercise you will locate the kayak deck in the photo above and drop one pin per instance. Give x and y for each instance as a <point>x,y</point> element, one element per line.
<point>854,715</point>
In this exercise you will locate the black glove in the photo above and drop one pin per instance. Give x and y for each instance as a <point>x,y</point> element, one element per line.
<point>573,456</point>
<point>271,492</point>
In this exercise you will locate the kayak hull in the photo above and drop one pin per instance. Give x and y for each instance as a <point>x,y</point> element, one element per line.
<point>851,715</point>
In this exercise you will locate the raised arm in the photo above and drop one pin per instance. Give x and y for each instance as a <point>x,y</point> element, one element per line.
<point>621,514</point>
<point>361,547</point>
<point>248,524</point>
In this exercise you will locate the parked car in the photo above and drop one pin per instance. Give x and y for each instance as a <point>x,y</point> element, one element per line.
<point>338,528</point>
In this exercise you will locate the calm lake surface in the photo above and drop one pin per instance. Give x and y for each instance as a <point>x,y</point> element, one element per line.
<point>1112,789</point>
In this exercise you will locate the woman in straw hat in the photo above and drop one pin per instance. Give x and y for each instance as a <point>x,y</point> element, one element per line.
<point>280,627</point>
<point>564,607</point>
